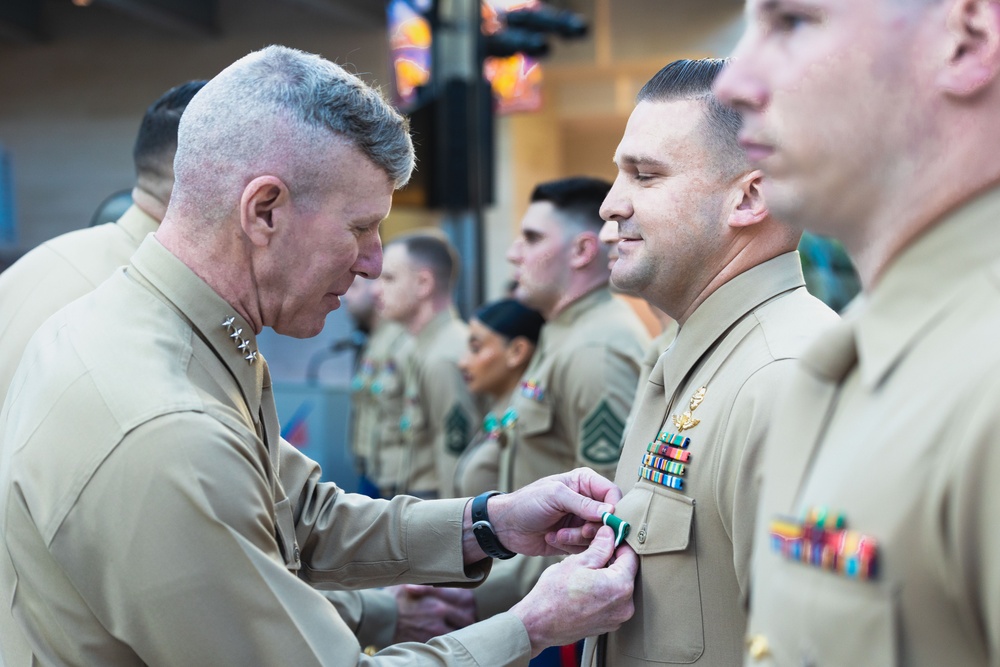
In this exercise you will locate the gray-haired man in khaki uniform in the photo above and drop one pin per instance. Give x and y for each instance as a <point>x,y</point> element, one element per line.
<point>150,512</point>
<point>439,414</point>
<point>875,122</point>
<point>697,241</point>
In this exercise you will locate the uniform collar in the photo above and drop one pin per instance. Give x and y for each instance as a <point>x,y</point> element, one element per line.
<point>437,323</point>
<point>733,300</point>
<point>568,315</point>
<point>920,284</point>
<point>212,318</point>
<point>137,223</point>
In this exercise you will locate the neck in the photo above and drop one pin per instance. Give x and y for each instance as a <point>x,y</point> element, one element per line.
<point>426,311</point>
<point>223,265</point>
<point>576,291</point>
<point>149,203</point>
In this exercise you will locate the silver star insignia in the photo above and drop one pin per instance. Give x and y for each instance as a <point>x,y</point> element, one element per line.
<point>244,344</point>
<point>251,356</point>
<point>236,334</point>
<point>228,322</point>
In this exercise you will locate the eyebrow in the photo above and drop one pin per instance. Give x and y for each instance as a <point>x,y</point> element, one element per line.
<point>634,160</point>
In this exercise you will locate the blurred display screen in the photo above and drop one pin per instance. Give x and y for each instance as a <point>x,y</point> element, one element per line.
<point>410,48</point>
<point>517,79</point>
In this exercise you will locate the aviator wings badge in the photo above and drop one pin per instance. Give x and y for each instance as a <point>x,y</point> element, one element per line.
<point>687,420</point>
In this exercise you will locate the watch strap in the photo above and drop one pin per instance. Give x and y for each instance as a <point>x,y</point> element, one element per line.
<point>483,529</point>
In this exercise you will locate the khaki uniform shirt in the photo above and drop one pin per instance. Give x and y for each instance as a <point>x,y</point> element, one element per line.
<point>377,393</point>
<point>478,469</point>
<point>577,391</point>
<point>892,425</point>
<point>716,385</point>
<point>151,514</point>
<point>57,272</point>
<point>571,409</point>
<point>659,345</point>
<point>440,415</point>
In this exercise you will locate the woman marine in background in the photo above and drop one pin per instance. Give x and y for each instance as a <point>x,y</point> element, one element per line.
<point>502,338</point>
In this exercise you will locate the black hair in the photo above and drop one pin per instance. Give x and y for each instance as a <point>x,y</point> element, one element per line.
<point>510,318</point>
<point>692,80</point>
<point>157,139</point>
<point>580,197</point>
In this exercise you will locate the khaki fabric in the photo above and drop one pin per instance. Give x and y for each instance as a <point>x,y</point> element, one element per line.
<point>57,272</point>
<point>151,514</point>
<point>659,345</point>
<point>719,380</point>
<point>893,423</point>
<point>439,415</point>
<point>585,370</point>
<point>377,394</point>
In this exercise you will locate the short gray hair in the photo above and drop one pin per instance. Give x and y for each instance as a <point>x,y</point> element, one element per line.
<point>277,110</point>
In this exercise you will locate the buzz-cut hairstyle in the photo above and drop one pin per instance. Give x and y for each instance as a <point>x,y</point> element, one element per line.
<point>433,251</point>
<point>579,198</point>
<point>280,111</point>
<point>692,80</point>
<point>156,142</point>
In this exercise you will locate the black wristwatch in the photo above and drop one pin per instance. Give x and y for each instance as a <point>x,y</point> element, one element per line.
<point>483,529</point>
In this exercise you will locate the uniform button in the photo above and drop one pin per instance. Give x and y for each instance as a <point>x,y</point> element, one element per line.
<point>298,555</point>
<point>370,650</point>
<point>758,648</point>
<point>641,536</point>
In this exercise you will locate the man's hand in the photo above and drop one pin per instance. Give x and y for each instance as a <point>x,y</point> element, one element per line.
<point>555,515</point>
<point>426,611</point>
<point>579,597</point>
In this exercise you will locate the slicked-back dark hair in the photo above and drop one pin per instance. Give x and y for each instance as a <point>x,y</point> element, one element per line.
<point>692,80</point>
<point>579,197</point>
<point>157,139</point>
<point>434,252</point>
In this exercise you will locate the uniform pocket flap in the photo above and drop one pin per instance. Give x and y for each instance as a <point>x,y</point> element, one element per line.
<point>660,520</point>
<point>534,417</point>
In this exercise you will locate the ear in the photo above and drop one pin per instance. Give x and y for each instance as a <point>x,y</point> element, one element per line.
<point>518,352</point>
<point>426,284</point>
<point>261,197</point>
<point>750,207</point>
<point>974,47</point>
<point>585,249</point>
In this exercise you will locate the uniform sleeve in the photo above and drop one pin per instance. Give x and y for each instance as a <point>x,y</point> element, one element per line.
<point>348,540</point>
<point>172,544</point>
<point>370,614</point>
<point>737,484</point>
<point>601,383</point>
<point>509,581</point>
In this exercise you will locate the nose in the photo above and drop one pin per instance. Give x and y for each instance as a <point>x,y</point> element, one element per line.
<point>609,232</point>
<point>737,87</point>
<point>616,207</point>
<point>514,252</point>
<point>369,261</point>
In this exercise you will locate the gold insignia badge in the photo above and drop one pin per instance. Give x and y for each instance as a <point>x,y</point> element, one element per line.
<point>687,420</point>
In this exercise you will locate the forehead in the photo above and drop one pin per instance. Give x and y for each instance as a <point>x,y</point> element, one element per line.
<point>361,189</point>
<point>544,219</point>
<point>395,258</point>
<point>659,131</point>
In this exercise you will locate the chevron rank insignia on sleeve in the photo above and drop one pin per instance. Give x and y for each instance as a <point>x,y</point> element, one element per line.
<point>601,435</point>
<point>456,427</point>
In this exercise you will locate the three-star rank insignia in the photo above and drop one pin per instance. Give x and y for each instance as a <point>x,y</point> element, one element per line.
<point>601,435</point>
<point>456,430</point>
<point>687,420</point>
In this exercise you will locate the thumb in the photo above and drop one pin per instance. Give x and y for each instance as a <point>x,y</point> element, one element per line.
<point>580,505</point>
<point>600,550</point>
